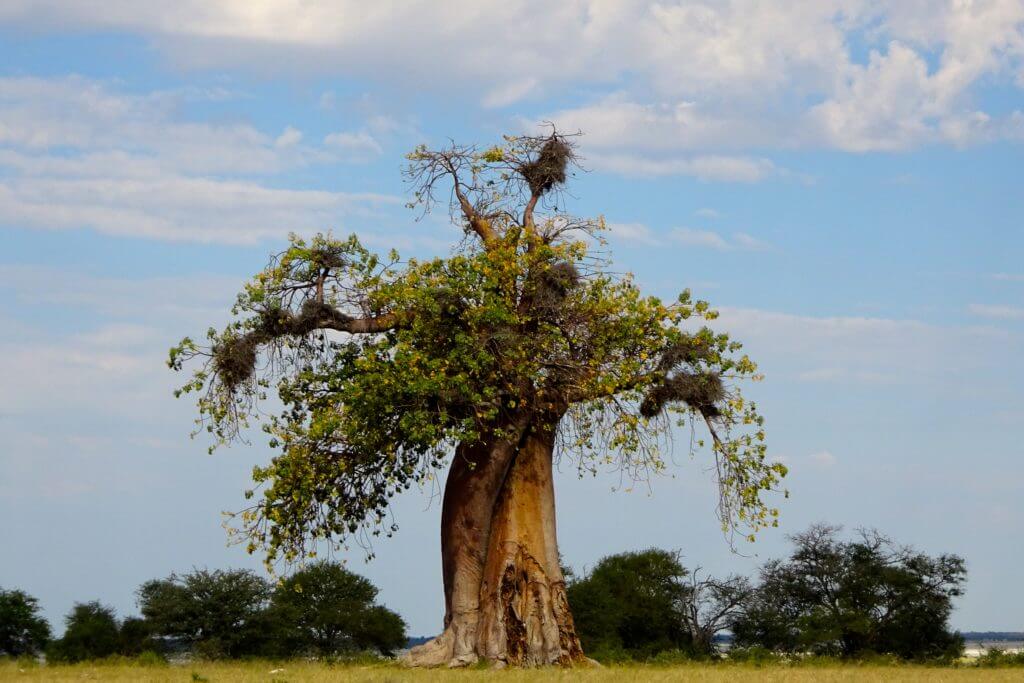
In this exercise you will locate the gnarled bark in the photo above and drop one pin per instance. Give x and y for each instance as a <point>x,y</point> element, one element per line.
<point>504,590</point>
<point>525,617</point>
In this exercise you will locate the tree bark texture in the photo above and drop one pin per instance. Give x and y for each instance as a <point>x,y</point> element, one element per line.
<point>505,598</point>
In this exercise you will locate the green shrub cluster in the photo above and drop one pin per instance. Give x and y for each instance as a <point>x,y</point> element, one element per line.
<point>322,611</point>
<point>866,600</point>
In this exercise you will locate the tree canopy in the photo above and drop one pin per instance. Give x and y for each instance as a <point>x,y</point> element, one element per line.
<point>323,609</point>
<point>92,632</point>
<point>853,597</point>
<point>628,605</point>
<point>326,609</point>
<point>385,365</point>
<point>23,630</point>
<point>219,613</point>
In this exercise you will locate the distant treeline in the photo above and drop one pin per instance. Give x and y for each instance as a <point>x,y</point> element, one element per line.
<point>830,597</point>
<point>1010,636</point>
<point>833,597</point>
<point>322,610</point>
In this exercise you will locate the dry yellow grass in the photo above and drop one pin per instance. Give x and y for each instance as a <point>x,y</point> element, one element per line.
<point>293,672</point>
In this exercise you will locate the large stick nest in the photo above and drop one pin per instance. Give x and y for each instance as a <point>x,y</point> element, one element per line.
<point>234,358</point>
<point>549,168</point>
<point>700,391</point>
<point>552,286</point>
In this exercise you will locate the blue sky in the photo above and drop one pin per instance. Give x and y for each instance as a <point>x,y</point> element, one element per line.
<point>840,178</point>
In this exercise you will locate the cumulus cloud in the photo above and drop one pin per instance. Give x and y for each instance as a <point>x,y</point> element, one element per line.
<point>749,75</point>
<point>289,138</point>
<point>663,80</point>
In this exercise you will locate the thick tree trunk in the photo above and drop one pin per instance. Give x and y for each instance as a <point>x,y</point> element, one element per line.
<point>525,617</point>
<point>504,590</point>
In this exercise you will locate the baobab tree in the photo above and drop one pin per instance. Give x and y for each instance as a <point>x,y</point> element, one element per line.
<point>518,348</point>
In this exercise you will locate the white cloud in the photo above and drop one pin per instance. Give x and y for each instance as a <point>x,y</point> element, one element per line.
<point>707,213</point>
<point>355,144</point>
<point>823,459</point>
<point>658,140</point>
<point>712,168</point>
<point>177,208</point>
<point>119,335</point>
<point>34,117</point>
<point>691,237</point>
<point>869,352</point>
<point>700,75</point>
<point>616,121</point>
<point>744,241</point>
<point>634,232</point>
<point>1008,277</point>
<point>997,311</point>
<point>509,93</point>
<point>699,238</point>
<point>126,164</point>
<point>715,65</point>
<point>289,138</point>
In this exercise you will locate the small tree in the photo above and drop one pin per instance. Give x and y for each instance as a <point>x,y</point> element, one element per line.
<point>92,633</point>
<point>849,598</point>
<point>327,609</point>
<point>628,605</point>
<point>23,631</point>
<point>137,637</point>
<point>219,613</point>
<point>708,606</point>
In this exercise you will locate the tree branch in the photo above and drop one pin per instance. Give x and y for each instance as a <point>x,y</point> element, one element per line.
<point>528,223</point>
<point>480,225</point>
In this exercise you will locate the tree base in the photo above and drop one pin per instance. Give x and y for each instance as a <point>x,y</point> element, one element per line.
<point>508,603</point>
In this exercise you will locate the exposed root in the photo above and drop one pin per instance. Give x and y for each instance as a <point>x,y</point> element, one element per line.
<point>436,652</point>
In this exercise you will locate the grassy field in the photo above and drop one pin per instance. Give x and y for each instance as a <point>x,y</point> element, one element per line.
<point>292,672</point>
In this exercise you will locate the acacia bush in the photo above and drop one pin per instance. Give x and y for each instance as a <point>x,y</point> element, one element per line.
<point>92,632</point>
<point>996,658</point>
<point>854,599</point>
<point>321,610</point>
<point>627,606</point>
<point>23,631</point>
<point>220,613</point>
<point>324,609</point>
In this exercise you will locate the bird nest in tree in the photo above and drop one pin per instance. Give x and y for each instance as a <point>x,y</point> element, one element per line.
<point>548,169</point>
<point>234,358</point>
<point>701,391</point>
